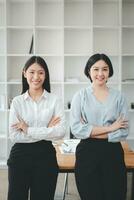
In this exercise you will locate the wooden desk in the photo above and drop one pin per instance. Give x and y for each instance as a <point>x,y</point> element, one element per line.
<point>66,164</point>
<point>129,161</point>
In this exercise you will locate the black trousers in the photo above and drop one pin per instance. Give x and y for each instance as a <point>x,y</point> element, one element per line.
<point>34,174</point>
<point>100,170</point>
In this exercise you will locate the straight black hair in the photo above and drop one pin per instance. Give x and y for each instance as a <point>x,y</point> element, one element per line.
<point>93,59</point>
<point>40,61</point>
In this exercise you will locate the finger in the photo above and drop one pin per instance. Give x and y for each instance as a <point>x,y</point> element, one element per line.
<point>56,120</point>
<point>119,118</point>
<point>125,121</point>
<point>19,118</point>
<point>14,125</point>
<point>124,126</point>
<point>52,120</point>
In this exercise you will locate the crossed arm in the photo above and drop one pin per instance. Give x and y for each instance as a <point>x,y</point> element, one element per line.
<point>102,131</point>
<point>23,126</point>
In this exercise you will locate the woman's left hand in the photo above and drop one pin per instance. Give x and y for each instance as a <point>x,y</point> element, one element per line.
<point>21,125</point>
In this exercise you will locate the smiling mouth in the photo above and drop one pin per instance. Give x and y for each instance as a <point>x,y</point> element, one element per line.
<point>100,79</point>
<point>36,82</point>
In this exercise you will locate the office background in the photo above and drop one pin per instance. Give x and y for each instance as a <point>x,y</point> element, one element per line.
<point>65,33</point>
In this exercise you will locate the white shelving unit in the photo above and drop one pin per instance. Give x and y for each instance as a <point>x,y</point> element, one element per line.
<point>65,33</point>
<point>127,70</point>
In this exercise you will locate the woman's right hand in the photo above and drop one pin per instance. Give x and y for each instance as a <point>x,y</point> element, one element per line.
<point>119,123</point>
<point>54,121</point>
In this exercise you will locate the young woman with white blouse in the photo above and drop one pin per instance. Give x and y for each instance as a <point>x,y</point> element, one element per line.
<point>36,119</point>
<point>99,118</point>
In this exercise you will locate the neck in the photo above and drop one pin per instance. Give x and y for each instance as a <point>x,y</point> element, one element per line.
<point>35,94</point>
<point>99,87</point>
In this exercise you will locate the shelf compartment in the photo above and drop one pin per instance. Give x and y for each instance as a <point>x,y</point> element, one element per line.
<point>74,68</point>
<point>2,88</point>
<point>57,89</point>
<point>3,124</point>
<point>106,41</point>
<point>15,66</point>
<point>106,13</point>
<point>55,66</point>
<point>127,40</point>
<point>127,90</point>
<point>77,13</point>
<point>2,68</point>
<point>2,13</point>
<point>115,63</point>
<point>20,13</point>
<point>2,102</point>
<point>78,41</point>
<point>45,9</point>
<point>128,13</point>
<point>19,41</point>
<point>69,93</point>
<point>49,42</point>
<point>12,91</point>
<point>2,41</point>
<point>128,69</point>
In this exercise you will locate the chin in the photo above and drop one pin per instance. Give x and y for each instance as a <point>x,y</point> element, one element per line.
<point>37,87</point>
<point>101,84</point>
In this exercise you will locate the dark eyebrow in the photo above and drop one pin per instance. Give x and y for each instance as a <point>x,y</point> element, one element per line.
<point>106,66</point>
<point>40,70</point>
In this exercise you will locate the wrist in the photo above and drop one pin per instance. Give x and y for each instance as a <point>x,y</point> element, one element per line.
<point>25,129</point>
<point>110,128</point>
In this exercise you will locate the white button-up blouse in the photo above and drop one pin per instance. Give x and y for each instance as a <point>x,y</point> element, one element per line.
<point>37,115</point>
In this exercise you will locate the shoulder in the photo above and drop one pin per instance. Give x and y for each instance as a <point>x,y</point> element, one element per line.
<point>17,102</point>
<point>19,98</point>
<point>117,94</point>
<point>82,93</point>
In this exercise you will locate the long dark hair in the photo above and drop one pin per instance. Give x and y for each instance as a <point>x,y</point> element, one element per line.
<point>93,59</point>
<point>40,61</point>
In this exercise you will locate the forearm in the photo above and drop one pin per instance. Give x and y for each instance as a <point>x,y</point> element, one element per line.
<point>116,125</point>
<point>100,131</point>
<point>19,137</point>
<point>46,133</point>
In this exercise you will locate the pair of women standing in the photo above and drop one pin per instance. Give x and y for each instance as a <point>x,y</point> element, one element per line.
<point>97,117</point>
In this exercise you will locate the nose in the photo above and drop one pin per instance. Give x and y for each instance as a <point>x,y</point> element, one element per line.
<point>100,72</point>
<point>36,76</point>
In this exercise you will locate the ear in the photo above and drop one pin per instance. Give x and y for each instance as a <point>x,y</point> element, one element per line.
<point>24,73</point>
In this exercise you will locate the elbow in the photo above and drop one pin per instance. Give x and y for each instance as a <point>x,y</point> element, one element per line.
<point>78,134</point>
<point>125,133</point>
<point>81,131</point>
<point>12,138</point>
<point>58,133</point>
<point>62,133</point>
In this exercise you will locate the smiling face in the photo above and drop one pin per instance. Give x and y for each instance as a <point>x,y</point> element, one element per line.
<point>99,73</point>
<point>35,76</point>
